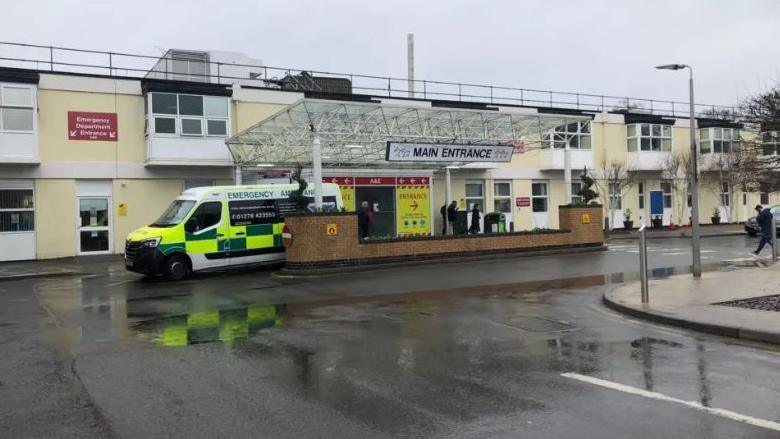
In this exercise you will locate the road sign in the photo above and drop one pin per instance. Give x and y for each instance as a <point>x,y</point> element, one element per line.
<point>92,126</point>
<point>331,229</point>
<point>287,237</point>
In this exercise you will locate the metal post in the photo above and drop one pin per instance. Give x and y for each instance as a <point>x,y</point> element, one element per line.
<point>410,63</point>
<point>317,171</point>
<point>774,238</point>
<point>643,264</point>
<point>695,232</point>
<point>51,58</point>
<point>447,199</point>
<point>567,171</point>
<point>237,177</point>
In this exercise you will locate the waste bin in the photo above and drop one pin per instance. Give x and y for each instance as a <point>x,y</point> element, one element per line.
<point>495,222</point>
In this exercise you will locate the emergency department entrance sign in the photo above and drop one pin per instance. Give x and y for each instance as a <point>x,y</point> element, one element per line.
<point>448,152</point>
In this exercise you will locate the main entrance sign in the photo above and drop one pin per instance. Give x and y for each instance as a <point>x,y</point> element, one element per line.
<point>447,152</point>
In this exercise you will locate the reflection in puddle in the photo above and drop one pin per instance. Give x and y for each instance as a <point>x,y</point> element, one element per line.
<point>213,325</point>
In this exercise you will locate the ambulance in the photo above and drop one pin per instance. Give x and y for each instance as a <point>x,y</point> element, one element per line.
<point>218,227</point>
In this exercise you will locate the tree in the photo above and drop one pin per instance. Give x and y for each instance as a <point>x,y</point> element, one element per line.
<point>738,169</point>
<point>676,170</point>
<point>586,191</point>
<point>761,114</point>
<point>614,180</point>
<point>297,196</point>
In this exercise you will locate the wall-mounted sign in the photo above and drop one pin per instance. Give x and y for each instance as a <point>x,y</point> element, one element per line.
<point>331,229</point>
<point>447,152</point>
<point>122,209</point>
<point>523,201</point>
<point>585,218</point>
<point>92,126</point>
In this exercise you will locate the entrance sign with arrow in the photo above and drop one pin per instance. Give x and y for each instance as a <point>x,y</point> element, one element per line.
<point>92,126</point>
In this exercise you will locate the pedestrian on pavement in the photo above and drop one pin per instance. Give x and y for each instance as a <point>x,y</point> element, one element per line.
<point>764,220</point>
<point>443,211</point>
<point>474,219</point>
<point>363,220</point>
<point>452,212</point>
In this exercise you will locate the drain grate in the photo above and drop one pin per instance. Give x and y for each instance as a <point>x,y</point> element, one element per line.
<point>538,324</point>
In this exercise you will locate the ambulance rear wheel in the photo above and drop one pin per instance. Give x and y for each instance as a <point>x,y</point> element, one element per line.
<point>176,267</point>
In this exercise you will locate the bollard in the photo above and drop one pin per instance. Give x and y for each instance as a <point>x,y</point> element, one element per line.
<point>774,238</point>
<point>643,263</point>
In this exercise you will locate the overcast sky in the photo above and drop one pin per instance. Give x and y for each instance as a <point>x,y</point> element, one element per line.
<point>603,47</point>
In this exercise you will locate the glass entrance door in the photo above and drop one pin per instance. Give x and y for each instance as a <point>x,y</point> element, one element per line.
<point>94,232</point>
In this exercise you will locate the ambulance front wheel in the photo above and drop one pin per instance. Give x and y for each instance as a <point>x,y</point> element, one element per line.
<point>177,267</point>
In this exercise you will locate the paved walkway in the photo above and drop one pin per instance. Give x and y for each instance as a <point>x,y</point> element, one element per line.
<point>683,301</point>
<point>56,267</point>
<point>684,232</point>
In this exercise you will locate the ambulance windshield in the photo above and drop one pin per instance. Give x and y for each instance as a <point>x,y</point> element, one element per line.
<point>174,214</point>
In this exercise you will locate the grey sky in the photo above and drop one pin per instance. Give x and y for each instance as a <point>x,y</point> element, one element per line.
<point>604,47</point>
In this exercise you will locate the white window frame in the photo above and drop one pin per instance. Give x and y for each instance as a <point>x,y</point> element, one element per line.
<point>669,194</point>
<point>178,117</point>
<point>32,106</point>
<point>559,136</point>
<point>641,195</point>
<point>546,196</point>
<point>470,200</point>
<point>770,139</point>
<point>497,197</point>
<point>725,194</point>
<point>20,209</point>
<point>638,137</point>
<point>708,137</point>
<point>615,197</point>
<point>575,198</point>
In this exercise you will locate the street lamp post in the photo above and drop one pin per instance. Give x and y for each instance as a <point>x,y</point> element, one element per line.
<point>694,175</point>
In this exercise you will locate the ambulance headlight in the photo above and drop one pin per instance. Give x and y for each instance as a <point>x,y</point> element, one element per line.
<point>151,243</point>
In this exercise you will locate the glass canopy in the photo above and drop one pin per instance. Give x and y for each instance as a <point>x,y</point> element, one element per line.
<point>355,133</point>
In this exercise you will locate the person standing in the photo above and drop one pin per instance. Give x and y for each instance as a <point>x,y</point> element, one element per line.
<point>443,211</point>
<point>474,219</point>
<point>452,212</point>
<point>764,220</point>
<point>363,220</point>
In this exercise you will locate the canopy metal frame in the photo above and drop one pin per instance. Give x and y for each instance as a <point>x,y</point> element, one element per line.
<point>355,134</point>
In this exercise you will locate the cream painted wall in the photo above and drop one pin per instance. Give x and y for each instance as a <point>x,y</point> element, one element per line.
<point>246,114</point>
<point>145,200</point>
<point>55,218</point>
<point>53,107</point>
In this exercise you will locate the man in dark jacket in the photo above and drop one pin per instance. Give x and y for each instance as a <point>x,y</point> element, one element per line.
<point>363,220</point>
<point>452,213</point>
<point>764,220</point>
<point>474,220</point>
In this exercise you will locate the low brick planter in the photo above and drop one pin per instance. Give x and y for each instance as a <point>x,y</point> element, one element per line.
<point>331,240</point>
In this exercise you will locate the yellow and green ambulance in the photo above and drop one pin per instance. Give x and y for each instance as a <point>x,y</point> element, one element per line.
<point>212,228</point>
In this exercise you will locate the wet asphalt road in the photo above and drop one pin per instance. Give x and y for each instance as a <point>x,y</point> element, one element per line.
<point>470,350</point>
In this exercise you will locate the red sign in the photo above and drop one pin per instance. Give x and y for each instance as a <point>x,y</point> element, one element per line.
<point>287,237</point>
<point>374,181</point>
<point>523,201</point>
<point>412,181</point>
<point>341,181</point>
<point>92,126</point>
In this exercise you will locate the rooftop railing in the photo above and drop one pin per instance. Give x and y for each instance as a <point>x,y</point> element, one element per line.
<point>116,64</point>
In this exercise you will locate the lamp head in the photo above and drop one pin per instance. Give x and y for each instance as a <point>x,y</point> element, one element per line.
<point>671,67</point>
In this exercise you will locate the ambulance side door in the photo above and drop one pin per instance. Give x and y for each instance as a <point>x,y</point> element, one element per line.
<point>252,229</point>
<point>205,232</point>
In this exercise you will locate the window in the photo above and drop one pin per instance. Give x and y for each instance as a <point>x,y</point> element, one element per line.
<point>576,134</point>
<point>725,196</point>
<point>475,194</point>
<point>189,115</point>
<point>764,193</point>
<point>641,189</point>
<point>17,210</point>
<point>576,198</point>
<point>539,197</point>
<point>718,140</point>
<point>649,137</point>
<point>666,188</point>
<point>770,142</point>
<point>17,108</point>
<point>206,215</point>
<point>615,197</point>
<point>502,196</point>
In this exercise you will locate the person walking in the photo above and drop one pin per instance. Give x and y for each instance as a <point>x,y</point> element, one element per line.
<point>764,220</point>
<point>452,212</point>
<point>443,211</point>
<point>363,220</point>
<point>474,229</point>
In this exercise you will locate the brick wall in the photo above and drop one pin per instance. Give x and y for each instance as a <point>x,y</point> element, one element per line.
<point>313,246</point>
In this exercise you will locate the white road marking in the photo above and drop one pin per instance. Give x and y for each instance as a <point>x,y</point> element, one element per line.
<point>728,414</point>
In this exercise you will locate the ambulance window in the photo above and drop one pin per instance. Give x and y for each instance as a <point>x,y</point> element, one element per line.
<point>174,214</point>
<point>205,216</point>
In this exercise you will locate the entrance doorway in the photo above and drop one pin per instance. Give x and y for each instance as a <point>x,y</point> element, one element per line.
<point>381,200</point>
<point>94,227</point>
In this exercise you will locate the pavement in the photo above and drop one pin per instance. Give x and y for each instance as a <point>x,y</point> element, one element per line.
<point>517,347</point>
<point>83,265</point>
<point>707,231</point>
<point>691,303</point>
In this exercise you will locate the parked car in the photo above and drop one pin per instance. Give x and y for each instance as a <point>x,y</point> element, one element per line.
<point>751,226</point>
